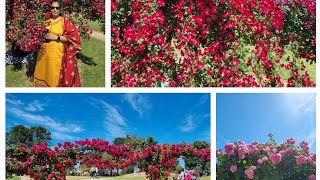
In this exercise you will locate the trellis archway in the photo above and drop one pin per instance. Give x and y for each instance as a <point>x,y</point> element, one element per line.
<point>41,162</point>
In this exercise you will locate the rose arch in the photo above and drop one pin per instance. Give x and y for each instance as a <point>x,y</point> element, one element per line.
<point>42,162</point>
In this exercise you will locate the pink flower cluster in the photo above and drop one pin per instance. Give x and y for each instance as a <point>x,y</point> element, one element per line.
<point>250,172</point>
<point>259,156</point>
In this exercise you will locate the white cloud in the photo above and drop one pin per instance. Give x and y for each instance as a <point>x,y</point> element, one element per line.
<point>188,124</point>
<point>113,115</point>
<point>114,122</point>
<point>298,104</point>
<point>203,99</point>
<point>14,102</point>
<point>311,138</point>
<point>30,113</point>
<point>36,105</point>
<point>33,106</point>
<point>114,130</point>
<point>296,108</point>
<point>140,103</point>
<point>62,136</point>
<point>44,121</point>
<point>192,121</point>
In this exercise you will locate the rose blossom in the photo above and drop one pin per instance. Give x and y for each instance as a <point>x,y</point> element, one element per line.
<point>301,159</point>
<point>233,168</point>
<point>249,172</point>
<point>312,177</point>
<point>275,158</point>
<point>291,141</point>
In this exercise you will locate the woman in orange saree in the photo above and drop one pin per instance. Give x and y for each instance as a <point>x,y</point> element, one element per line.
<point>56,64</point>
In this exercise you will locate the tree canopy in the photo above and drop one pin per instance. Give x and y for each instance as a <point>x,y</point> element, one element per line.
<point>28,135</point>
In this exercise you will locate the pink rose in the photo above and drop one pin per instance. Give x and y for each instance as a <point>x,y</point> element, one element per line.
<point>275,158</point>
<point>312,177</point>
<point>233,168</point>
<point>264,159</point>
<point>259,161</point>
<point>301,159</point>
<point>249,172</point>
<point>291,141</point>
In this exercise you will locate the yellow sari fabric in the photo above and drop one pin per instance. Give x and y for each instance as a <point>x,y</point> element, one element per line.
<point>48,65</point>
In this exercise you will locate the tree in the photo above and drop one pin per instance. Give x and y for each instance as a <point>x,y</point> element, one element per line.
<point>139,142</point>
<point>194,162</point>
<point>28,136</point>
<point>178,168</point>
<point>119,141</point>
<point>40,135</point>
<point>19,134</point>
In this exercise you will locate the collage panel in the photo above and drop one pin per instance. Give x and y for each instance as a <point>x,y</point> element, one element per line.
<point>55,43</point>
<point>213,43</point>
<point>107,136</point>
<point>266,136</point>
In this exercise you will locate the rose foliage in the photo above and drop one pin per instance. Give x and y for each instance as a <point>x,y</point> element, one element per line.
<point>266,161</point>
<point>25,19</point>
<point>41,162</point>
<point>230,43</point>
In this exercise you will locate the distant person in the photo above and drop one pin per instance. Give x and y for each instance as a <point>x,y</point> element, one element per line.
<point>182,174</point>
<point>193,174</point>
<point>187,175</point>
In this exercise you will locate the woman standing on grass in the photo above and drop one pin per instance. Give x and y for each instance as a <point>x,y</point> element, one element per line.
<point>56,64</point>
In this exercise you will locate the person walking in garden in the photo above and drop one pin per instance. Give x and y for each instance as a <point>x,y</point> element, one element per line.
<point>56,65</point>
<point>187,175</point>
<point>182,174</point>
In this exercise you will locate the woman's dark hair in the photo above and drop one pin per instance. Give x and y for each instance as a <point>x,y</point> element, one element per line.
<point>60,4</point>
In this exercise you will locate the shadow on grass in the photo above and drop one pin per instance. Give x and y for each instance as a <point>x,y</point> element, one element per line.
<point>86,60</point>
<point>16,67</point>
<point>17,62</point>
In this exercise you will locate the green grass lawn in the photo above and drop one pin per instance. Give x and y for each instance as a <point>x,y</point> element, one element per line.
<point>94,25</point>
<point>284,74</point>
<point>91,62</point>
<point>311,68</point>
<point>13,178</point>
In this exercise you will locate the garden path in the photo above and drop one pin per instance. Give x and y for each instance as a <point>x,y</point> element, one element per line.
<point>98,35</point>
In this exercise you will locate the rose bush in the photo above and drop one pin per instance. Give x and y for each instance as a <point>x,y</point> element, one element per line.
<point>266,161</point>
<point>25,19</point>
<point>41,162</point>
<point>212,43</point>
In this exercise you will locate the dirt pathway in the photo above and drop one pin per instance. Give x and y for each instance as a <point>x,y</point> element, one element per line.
<point>25,178</point>
<point>98,35</point>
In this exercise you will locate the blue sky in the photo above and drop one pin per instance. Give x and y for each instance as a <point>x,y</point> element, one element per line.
<point>251,117</point>
<point>170,118</point>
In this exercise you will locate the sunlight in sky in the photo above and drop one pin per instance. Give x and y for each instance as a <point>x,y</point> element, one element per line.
<point>251,117</point>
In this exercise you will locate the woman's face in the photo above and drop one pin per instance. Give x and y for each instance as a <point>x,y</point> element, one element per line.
<point>55,9</point>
